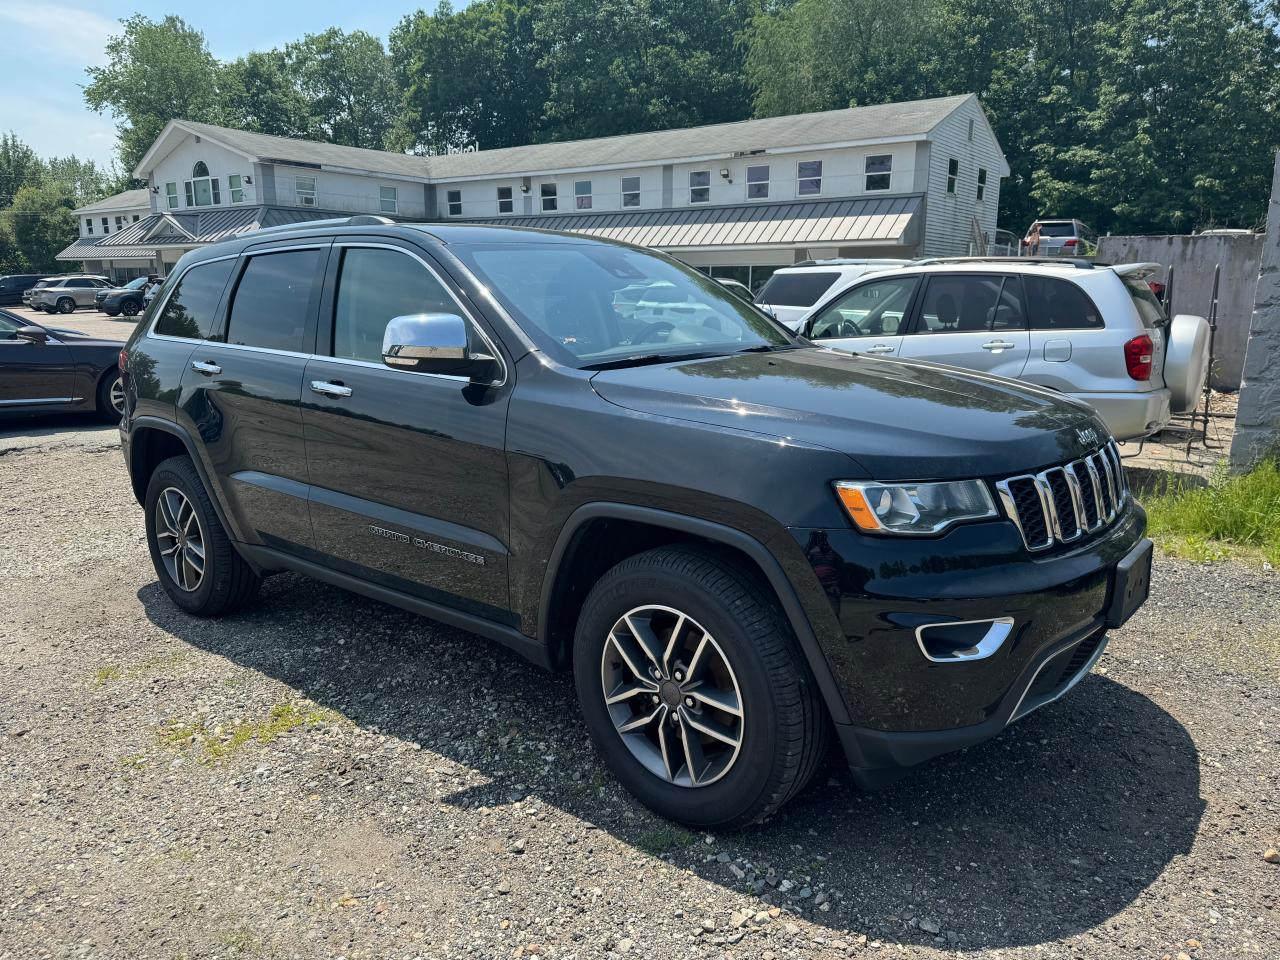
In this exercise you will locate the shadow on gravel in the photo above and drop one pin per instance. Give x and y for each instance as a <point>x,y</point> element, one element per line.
<point>1045,832</point>
<point>49,424</point>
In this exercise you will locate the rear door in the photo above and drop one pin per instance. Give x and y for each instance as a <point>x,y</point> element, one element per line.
<point>408,470</point>
<point>972,320</point>
<point>868,318</point>
<point>243,390</point>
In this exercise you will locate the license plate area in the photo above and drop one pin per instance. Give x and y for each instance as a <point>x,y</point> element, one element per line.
<point>1130,584</point>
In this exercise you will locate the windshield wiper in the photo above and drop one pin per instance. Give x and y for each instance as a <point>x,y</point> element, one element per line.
<point>645,359</point>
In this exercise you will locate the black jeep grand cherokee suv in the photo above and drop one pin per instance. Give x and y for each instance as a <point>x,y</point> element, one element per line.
<point>740,543</point>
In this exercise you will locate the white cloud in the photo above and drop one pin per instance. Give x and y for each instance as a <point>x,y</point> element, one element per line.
<point>64,32</point>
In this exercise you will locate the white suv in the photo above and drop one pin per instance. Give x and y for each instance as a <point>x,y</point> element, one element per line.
<point>792,291</point>
<point>1095,333</point>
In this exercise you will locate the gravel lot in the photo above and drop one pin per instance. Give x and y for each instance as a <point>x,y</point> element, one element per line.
<point>323,776</point>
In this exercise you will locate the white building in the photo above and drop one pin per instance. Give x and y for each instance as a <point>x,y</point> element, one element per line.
<point>736,199</point>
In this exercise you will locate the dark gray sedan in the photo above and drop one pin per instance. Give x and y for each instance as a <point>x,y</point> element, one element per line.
<point>52,370</point>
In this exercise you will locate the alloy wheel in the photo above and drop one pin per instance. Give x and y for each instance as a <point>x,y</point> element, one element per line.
<point>117,395</point>
<point>672,696</point>
<point>180,539</point>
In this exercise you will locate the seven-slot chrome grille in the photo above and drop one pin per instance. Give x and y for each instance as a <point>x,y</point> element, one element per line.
<point>1063,504</point>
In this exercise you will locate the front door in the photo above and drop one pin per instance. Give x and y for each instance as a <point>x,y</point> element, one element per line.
<point>242,390</point>
<point>33,373</point>
<point>868,318</point>
<point>408,471</point>
<point>971,320</point>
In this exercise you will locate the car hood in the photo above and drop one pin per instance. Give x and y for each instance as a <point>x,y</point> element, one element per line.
<point>899,420</point>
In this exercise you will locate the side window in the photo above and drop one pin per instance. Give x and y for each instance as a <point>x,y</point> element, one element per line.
<point>874,309</point>
<point>189,312</point>
<point>78,282</point>
<point>1009,314</point>
<point>375,286</point>
<point>1054,304</point>
<point>270,304</point>
<point>959,304</point>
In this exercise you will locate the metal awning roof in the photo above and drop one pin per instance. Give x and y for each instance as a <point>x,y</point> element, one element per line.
<point>91,248</point>
<point>862,220</point>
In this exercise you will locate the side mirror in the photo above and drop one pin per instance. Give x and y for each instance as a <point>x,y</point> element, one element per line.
<point>32,334</point>
<point>435,343</point>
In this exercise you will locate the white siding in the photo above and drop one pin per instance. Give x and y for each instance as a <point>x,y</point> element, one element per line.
<point>177,167</point>
<point>948,216</point>
<point>349,192</point>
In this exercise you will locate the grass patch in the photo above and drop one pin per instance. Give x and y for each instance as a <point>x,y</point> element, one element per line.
<point>665,839</point>
<point>143,668</point>
<point>1236,515</point>
<point>219,744</point>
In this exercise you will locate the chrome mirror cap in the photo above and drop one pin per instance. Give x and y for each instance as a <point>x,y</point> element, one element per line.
<point>413,338</point>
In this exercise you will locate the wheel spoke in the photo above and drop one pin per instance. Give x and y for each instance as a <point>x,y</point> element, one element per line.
<point>624,692</point>
<point>665,736</point>
<point>197,549</point>
<point>698,653</point>
<point>629,657</point>
<point>642,629</point>
<point>193,560</point>
<point>673,642</point>
<point>694,758</point>
<point>726,700</point>
<point>711,729</point>
<point>167,513</point>
<point>642,721</point>
<point>171,550</point>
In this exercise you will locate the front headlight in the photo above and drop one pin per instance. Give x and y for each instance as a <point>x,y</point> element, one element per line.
<point>914,508</point>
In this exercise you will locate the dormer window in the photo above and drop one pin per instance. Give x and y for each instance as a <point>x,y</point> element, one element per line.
<point>202,189</point>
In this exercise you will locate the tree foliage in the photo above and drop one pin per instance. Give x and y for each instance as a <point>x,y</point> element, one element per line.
<point>348,85</point>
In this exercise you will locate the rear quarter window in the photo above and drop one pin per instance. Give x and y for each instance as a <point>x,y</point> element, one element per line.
<point>1055,304</point>
<point>796,289</point>
<point>189,313</point>
<point>1149,308</point>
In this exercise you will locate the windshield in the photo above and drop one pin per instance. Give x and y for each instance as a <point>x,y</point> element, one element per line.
<point>592,304</point>
<point>136,283</point>
<point>796,289</point>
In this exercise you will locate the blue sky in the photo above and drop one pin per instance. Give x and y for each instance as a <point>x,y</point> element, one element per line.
<point>47,47</point>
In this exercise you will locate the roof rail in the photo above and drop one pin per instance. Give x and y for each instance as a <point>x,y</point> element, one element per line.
<point>1080,263</point>
<point>358,220</point>
<point>838,261</point>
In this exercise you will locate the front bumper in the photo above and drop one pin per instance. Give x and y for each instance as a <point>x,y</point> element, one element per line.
<point>903,706</point>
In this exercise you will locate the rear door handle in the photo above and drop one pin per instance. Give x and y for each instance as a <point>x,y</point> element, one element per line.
<point>998,345</point>
<point>330,389</point>
<point>879,348</point>
<point>205,366</point>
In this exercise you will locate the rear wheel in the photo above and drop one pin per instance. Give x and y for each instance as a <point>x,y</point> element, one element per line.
<point>694,689</point>
<point>66,305</point>
<point>130,308</point>
<point>194,558</point>
<point>110,401</point>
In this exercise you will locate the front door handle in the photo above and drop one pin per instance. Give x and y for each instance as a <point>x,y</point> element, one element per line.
<point>330,389</point>
<point>205,366</point>
<point>998,345</point>
<point>879,348</point>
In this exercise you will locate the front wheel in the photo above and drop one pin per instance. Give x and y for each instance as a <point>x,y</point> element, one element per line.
<point>194,558</point>
<point>130,308</point>
<point>694,688</point>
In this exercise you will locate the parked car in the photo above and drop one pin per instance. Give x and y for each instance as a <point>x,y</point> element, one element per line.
<point>12,287</point>
<point>50,370</point>
<point>741,544</point>
<point>67,293</point>
<point>1097,334</point>
<point>129,299</point>
<point>1060,238</point>
<point>792,291</point>
<point>29,294</point>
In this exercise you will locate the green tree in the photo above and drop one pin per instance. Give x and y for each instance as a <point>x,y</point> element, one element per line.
<point>42,224</point>
<point>625,66</point>
<point>19,166</point>
<point>348,81</point>
<point>469,75</point>
<point>259,93</point>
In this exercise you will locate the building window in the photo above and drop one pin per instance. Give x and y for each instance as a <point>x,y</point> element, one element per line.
<point>235,184</point>
<point>388,199</point>
<point>809,178</point>
<point>202,192</point>
<point>582,194</point>
<point>119,224</point>
<point>631,191</point>
<point>982,183</point>
<point>201,169</point>
<point>304,191</point>
<point>700,186</point>
<point>135,218</point>
<point>758,182</point>
<point>88,226</point>
<point>953,174</point>
<point>879,171</point>
<point>171,194</point>
<point>454,200</point>
<point>548,196</point>
<point>970,129</point>
<point>506,203</point>
<point>106,226</point>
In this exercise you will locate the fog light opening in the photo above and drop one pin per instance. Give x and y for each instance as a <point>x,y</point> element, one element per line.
<point>960,641</point>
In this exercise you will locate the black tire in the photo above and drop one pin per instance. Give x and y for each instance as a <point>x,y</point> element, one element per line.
<point>785,730</point>
<point>66,305</point>
<point>105,407</point>
<point>130,308</point>
<point>111,313</point>
<point>228,582</point>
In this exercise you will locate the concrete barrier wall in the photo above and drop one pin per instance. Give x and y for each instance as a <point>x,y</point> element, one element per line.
<point>1193,260</point>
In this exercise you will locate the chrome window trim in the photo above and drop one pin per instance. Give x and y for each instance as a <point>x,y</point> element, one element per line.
<point>168,295</point>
